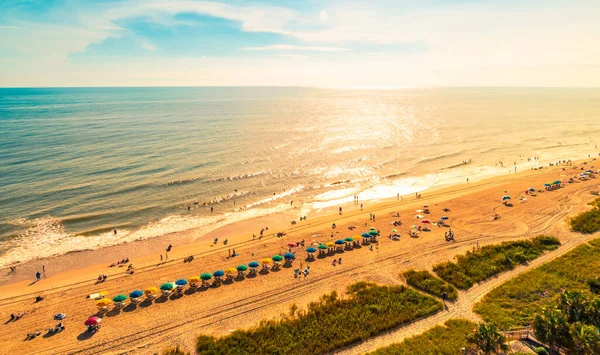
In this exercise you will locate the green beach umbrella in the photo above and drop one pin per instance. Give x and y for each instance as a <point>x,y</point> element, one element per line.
<point>166,286</point>
<point>322,246</point>
<point>349,239</point>
<point>277,258</point>
<point>242,267</point>
<point>119,298</point>
<point>373,233</point>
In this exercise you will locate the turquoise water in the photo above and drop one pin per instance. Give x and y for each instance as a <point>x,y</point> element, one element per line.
<point>77,163</point>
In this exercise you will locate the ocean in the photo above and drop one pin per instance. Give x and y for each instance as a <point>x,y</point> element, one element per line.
<point>76,163</point>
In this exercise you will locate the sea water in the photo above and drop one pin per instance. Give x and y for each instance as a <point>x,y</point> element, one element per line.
<point>77,163</point>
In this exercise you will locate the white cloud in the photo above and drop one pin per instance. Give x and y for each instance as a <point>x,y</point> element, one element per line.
<point>110,28</point>
<point>288,55</point>
<point>288,47</point>
<point>9,27</point>
<point>148,46</point>
<point>323,16</point>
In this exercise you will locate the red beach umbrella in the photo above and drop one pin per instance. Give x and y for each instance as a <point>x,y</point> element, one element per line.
<point>425,221</point>
<point>93,321</point>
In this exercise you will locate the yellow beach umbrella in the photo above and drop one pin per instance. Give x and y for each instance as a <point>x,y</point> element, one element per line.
<point>104,302</point>
<point>151,291</point>
<point>194,279</point>
<point>330,244</point>
<point>230,271</point>
<point>266,261</point>
<point>357,238</point>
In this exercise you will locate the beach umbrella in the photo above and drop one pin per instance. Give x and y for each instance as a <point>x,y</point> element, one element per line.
<point>394,231</point>
<point>419,211</point>
<point>531,189</point>
<point>444,217</point>
<point>556,182</point>
<point>181,282</point>
<point>349,239</point>
<point>243,267</point>
<point>419,216</point>
<point>193,279</point>
<point>219,273</point>
<point>322,246</point>
<point>136,294</point>
<point>505,197</point>
<point>373,233</point>
<point>311,250</point>
<point>425,206</point>
<point>151,291</point>
<point>167,286</point>
<point>330,244</point>
<point>414,227</point>
<point>253,264</point>
<point>546,185</point>
<point>372,229</point>
<point>289,256</point>
<point>119,298</point>
<point>266,261</point>
<point>104,302</point>
<point>93,321</point>
<point>366,235</point>
<point>292,245</point>
<point>357,238</point>
<point>230,271</point>
<point>589,171</point>
<point>425,221</point>
<point>206,276</point>
<point>277,258</point>
<point>340,242</point>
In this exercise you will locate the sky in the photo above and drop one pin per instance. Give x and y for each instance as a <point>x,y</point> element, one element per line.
<point>326,43</point>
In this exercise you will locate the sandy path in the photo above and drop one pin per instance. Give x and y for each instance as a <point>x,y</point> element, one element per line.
<point>463,308</point>
<point>152,327</point>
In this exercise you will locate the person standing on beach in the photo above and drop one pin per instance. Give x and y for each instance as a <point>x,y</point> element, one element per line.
<point>161,258</point>
<point>340,210</point>
<point>398,196</point>
<point>38,276</point>
<point>361,206</point>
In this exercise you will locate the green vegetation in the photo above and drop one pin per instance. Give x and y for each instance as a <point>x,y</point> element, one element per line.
<point>587,222</point>
<point>479,265</point>
<point>426,282</point>
<point>447,340</point>
<point>487,339</point>
<point>328,324</point>
<point>571,324</point>
<point>175,351</point>
<point>516,302</point>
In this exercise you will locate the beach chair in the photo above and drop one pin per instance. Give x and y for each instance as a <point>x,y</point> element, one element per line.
<point>165,293</point>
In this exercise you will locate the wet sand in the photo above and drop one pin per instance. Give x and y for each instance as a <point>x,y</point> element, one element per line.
<point>152,327</point>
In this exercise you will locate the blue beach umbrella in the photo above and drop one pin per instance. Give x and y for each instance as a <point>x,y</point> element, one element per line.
<point>136,294</point>
<point>181,282</point>
<point>366,235</point>
<point>546,185</point>
<point>444,217</point>
<point>219,273</point>
<point>531,189</point>
<point>340,242</point>
<point>253,264</point>
<point>289,256</point>
<point>311,250</point>
<point>505,197</point>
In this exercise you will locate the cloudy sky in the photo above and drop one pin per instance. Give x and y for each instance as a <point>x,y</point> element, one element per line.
<point>375,43</point>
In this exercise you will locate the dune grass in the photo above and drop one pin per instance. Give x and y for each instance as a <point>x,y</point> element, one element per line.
<point>516,302</point>
<point>424,281</point>
<point>439,340</point>
<point>490,260</point>
<point>175,351</point>
<point>587,222</point>
<point>328,324</point>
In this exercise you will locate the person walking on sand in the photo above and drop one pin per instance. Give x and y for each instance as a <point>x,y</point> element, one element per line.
<point>361,206</point>
<point>340,210</point>
<point>38,276</point>
<point>161,258</point>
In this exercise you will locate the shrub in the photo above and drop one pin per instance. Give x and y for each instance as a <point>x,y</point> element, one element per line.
<point>516,302</point>
<point>541,351</point>
<point>426,282</point>
<point>175,351</point>
<point>439,340</point>
<point>587,222</point>
<point>328,324</point>
<point>594,285</point>
<point>481,264</point>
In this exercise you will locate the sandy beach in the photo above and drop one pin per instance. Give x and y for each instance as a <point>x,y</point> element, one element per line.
<point>151,327</point>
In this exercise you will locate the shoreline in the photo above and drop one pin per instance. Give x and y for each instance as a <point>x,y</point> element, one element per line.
<point>145,253</point>
<point>240,304</point>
